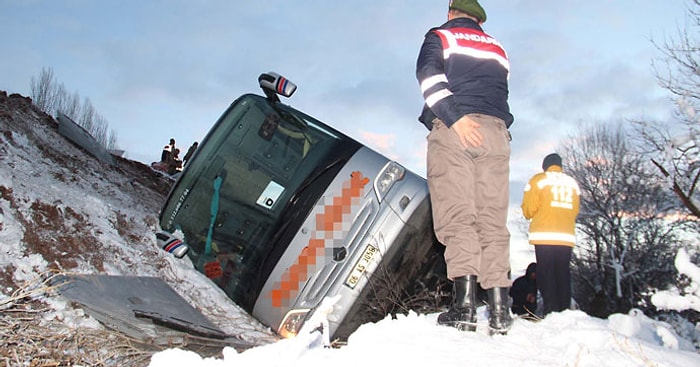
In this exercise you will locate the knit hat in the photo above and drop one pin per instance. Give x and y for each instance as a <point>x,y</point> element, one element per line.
<point>551,160</point>
<point>470,7</point>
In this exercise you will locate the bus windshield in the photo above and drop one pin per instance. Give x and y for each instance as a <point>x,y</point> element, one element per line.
<point>247,190</point>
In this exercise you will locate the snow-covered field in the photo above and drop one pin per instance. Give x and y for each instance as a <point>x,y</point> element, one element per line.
<point>61,209</point>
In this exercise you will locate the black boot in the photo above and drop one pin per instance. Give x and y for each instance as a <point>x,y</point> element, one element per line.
<point>462,313</point>
<point>499,311</point>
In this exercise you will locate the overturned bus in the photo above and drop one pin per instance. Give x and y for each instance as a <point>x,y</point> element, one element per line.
<point>282,211</point>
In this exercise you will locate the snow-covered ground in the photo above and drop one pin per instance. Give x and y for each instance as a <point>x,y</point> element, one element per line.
<point>51,192</point>
<point>569,338</point>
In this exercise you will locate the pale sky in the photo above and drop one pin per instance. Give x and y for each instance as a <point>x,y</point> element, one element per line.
<point>162,69</point>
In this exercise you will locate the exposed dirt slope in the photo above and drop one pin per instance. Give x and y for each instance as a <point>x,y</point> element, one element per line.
<point>62,210</point>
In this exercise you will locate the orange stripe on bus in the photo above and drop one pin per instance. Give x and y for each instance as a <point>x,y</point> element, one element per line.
<point>330,221</point>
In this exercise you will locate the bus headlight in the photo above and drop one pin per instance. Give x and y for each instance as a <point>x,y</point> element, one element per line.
<point>391,173</point>
<point>292,322</point>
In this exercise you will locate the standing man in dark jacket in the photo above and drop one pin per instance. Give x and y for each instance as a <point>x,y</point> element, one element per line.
<point>524,292</point>
<point>463,75</point>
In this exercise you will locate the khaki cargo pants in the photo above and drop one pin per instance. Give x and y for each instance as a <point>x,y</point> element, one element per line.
<point>469,196</point>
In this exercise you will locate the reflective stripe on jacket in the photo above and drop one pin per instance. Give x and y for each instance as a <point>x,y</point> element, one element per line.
<point>551,203</point>
<point>462,70</point>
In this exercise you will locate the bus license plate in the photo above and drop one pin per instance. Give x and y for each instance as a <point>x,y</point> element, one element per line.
<point>361,266</point>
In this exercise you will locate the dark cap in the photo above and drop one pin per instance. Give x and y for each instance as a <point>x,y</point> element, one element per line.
<point>551,160</point>
<point>470,7</point>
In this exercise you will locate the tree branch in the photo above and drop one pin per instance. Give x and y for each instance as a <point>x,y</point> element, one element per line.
<point>685,199</point>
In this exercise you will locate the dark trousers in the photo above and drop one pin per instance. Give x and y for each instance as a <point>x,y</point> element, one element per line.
<point>554,276</point>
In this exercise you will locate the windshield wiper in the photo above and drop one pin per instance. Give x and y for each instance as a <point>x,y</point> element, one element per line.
<point>313,177</point>
<point>293,119</point>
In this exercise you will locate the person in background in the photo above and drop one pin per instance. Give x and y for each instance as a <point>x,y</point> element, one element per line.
<point>174,163</point>
<point>524,293</point>
<point>189,153</point>
<point>463,76</point>
<point>551,204</point>
<point>167,151</point>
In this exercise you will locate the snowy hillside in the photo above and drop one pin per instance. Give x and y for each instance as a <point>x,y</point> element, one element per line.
<point>61,210</point>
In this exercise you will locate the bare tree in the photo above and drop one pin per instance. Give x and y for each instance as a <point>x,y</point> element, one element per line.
<point>43,90</point>
<point>65,102</point>
<point>674,147</point>
<point>52,97</point>
<point>99,129</point>
<point>87,115</point>
<point>112,140</point>
<point>627,230</point>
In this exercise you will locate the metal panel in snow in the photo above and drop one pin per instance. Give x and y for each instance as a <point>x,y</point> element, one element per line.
<point>145,308</point>
<point>79,136</point>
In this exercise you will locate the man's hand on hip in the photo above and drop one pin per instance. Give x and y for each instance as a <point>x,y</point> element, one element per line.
<point>468,132</point>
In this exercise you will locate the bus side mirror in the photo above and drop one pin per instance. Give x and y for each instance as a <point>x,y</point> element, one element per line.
<point>273,84</point>
<point>171,244</point>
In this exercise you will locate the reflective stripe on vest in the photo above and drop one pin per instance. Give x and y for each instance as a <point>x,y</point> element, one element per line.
<point>552,236</point>
<point>471,42</point>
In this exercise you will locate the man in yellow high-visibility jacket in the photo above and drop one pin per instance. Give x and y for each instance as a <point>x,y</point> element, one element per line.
<point>551,204</point>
